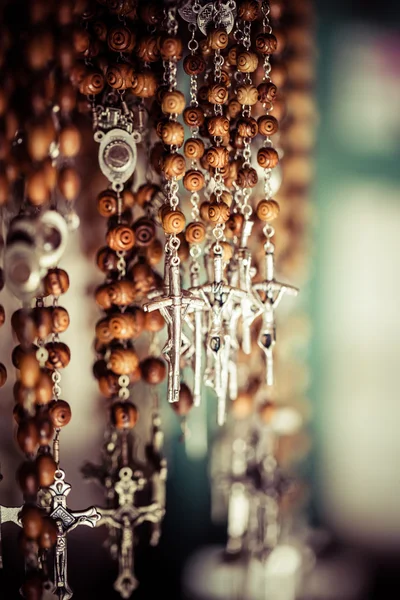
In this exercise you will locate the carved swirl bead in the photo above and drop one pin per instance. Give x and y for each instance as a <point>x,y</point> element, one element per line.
<point>170,47</point>
<point>218,126</point>
<point>194,180</point>
<point>267,158</point>
<point>60,319</point>
<point>195,233</point>
<point>92,83</point>
<point>217,94</point>
<point>118,293</point>
<point>173,221</point>
<point>153,370</point>
<point>124,415</point>
<point>247,94</point>
<point>217,39</point>
<point>267,92</point>
<point>267,210</point>
<point>173,165</point>
<point>234,108</point>
<point>147,49</point>
<point>218,212</point>
<point>119,76</point>
<point>266,43</point>
<point>59,355</point>
<point>121,39</point>
<point>247,177</point>
<point>121,238</point>
<point>194,148</point>
<point>234,225</point>
<point>107,203</point>
<point>144,85</point>
<point>56,282</point>
<point>172,133</point>
<point>217,157</point>
<point>267,125</point>
<point>193,117</point>
<point>145,232</point>
<point>173,102</point>
<point>154,321</point>
<point>106,260</point>
<point>123,361</point>
<point>247,127</point>
<point>247,62</point>
<point>127,325</point>
<point>103,333</point>
<point>194,64</point>
<point>60,413</point>
<point>100,30</point>
<point>249,10</point>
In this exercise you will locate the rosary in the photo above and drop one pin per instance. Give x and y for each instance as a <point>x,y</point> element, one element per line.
<point>184,112</point>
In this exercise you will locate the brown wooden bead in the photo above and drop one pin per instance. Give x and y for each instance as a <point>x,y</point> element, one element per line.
<point>124,415</point>
<point>4,189</point>
<point>185,402</point>
<point>100,30</point>
<point>48,536</point>
<point>124,326</point>
<point>204,206</point>
<point>194,180</point>
<point>267,125</point>
<point>266,43</point>
<point>56,282</point>
<point>151,12</point>
<point>153,370</point>
<point>225,197</point>
<point>171,47</point>
<point>194,64</point>
<point>173,221</point>
<point>40,135</point>
<point>195,233</point>
<point>205,48</point>
<point>153,321</point>
<point>45,429</point>
<point>39,50</point>
<point>92,83</point>
<point>227,251</point>
<point>247,177</point>
<point>194,148</point>
<point>172,133</point>
<point>103,332</point>
<point>18,413</point>
<point>69,183</point>
<point>123,361</point>
<point>247,61</point>
<point>69,140</point>
<point>247,94</point>
<point>247,127</point>
<point>27,478</point>
<point>193,116</point>
<point>60,319</point>
<point>24,326</point>
<point>249,10</point>
<point>2,315</point>
<point>217,94</point>
<point>106,260</point>
<point>267,210</point>
<point>218,212</point>
<point>145,231</point>
<point>267,92</point>
<point>119,76</point>
<point>183,250</point>
<point>173,165</point>
<point>107,203</point>
<point>60,413</point>
<point>46,468</point>
<point>31,521</point>
<point>218,126</point>
<point>27,436</point>
<point>36,188</point>
<point>121,238</point>
<point>33,586</point>
<point>77,73</point>
<point>108,384</point>
<point>44,388</point>
<point>218,39</point>
<point>147,49</point>
<point>234,108</point>
<point>59,355</point>
<point>29,369</point>
<point>173,102</point>
<point>118,293</point>
<point>3,375</point>
<point>217,157</point>
<point>234,225</point>
<point>144,85</point>
<point>154,252</point>
<point>121,39</point>
<point>81,40</point>
<point>267,158</point>
<point>146,193</point>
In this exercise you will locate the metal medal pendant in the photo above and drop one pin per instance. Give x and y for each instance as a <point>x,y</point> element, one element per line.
<point>117,156</point>
<point>208,14</point>
<point>188,12</point>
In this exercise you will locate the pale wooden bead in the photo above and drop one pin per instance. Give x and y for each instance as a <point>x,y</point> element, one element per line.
<point>194,148</point>
<point>217,94</point>
<point>173,102</point>
<point>218,39</point>
<point>173,165</point>
<point>195,233</point>
<point>69,183</point>
<point>218,126</point>
<point>218,212</point>
<point>247,94</point>
<point>267,210</point>
<point>69,140</point>
<point>172,133</point>
<point>121,238</point>
<point>173,221</point>
<point>217,157</point>
<point>194,180</point>
<point>247,62</point>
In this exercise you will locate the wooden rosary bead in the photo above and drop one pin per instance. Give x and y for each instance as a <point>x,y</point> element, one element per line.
<point>24,326</point>
<point>195,233</point>
<point>69,140</point>
<point>151,12</point>
<point>225,197</point>
<point>59,355</point>
<point>46,468</point>
<point>183,250</point>
<point>267,158</point>
<point>103,332</point>
<point>92,83</point>
<point>227,251</point>
<point>33,586</point>
<point>45,429</point>
<point>29,369</point>
<point>204,206</point>
<point>267,210</point>
<point>106,260</point>
<point>172,133</point>
<point>153,370</point>
<point>121,39</point>
<point>31,521</point>
<point>121,238</point>
<point>146,193</point>
<point>266,43</point>
<point>217,157</point>
<point>2,315</point>
<point>119,76</point>
<point>153,321</point>
<point>193,116</point>
<point>48,536</point>
<point>267,92</point>
<point>118,293</point>
<point>173,221</point>
<point>154,252</point>
<point>247,94</point>
<point>143,277</point>
<point>247,177</point>
<point>108,384</point>
<point>267,125</point>
<point>42,319</point>
<point>218,126</point>
<point>185,402</point>
<point>249,10</point>
<point>56,282</point>
<point>218,39</point>
<point>205,48</point>
<point>36,188</point>
<point>124,415</point>
<point>39,50</point>
<point>234,225</point>
<point>144,85</point>
<point>173,165</point>
<point>218,212</point>
<point>194,180</point>
<point>18,413</point>
<point>107,203</point>
<point>217,94</point>
<point>123,361</point>
<point>66,97</point>
<point>247,127</point>
<point>100,30</point>
<point>194,64</point>
<point>27,436</point>
<point>194,148</point>
<point>81,40</point>
<point>40,135</point>
<point>127,325</point>
<point>247,61</point>
<point>145,231</point>
<point>147,49</point>
<point>173,103</point>
<point>3,375</point>
<point>234,108</point>
<point>44,388</point>
<point>171,47</point>
<point>4,189</point>
<point>27,478</point>
<point>69,183</point>
<point>60,413</point>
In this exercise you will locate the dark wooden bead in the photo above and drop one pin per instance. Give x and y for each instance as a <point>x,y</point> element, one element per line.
<point>194,64</point>
<point>143,277</point>
<point>151,12</point>
<point>31,521</point>
<point>118,293</point>
<point>153,370</point>
<point>103,333</point>
<point>154,252</point>
<point>69,183</point>
<point>127,325</point>
<point>156,155</point>
<point>121,238</point>
<point>145,232</point>
<point>266,43</point>
<point>28,436</point>
<point>124,415</point>
<point>46,468</point>
<point>217,157</point>
<point>123,361</point>
<point>234,225</point>
<point>267,91</point>
<point>121,39</point>
<point>218,126</point>
<point>144,85</point>
<point>48,536</point>
<point>44,388</point>
<point>60,319</point>
<point>56,282</point>
<point>100,30</point>
<point>147,49</point>
<point>247,177</point>
<point>267,125</point>
<point>171,47</point>
<point>60,413</point>
<point>153,321</point>
<point>108,384</point>
<point>59,355</point>
<point>119,76</point>
<point>146,193</point>
<point>45,429</point>
<point>185,402</point>
<point>247,127</point>
<point>107,260</point>
<point>193,117</point>
<point>27,478</point>
<point>234,108</point>
<point>249,10</point>
<point>267,158</point>
<point>92,83</point>
<point>81,40</point>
